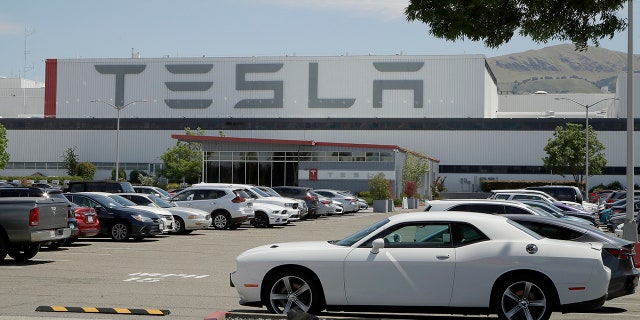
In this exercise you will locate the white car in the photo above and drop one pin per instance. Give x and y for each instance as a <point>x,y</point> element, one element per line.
<point>436,262</point>
<point>269,215</point>
<point>348,202</point>
<point>186,219</point>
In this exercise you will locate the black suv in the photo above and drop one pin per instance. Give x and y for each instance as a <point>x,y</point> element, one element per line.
<point>72,223</point>
<point>302,193</point>
<point>110,186</point>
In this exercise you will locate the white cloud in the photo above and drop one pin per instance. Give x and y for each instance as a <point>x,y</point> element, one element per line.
<point>10,28</point>
<point>385,9</point>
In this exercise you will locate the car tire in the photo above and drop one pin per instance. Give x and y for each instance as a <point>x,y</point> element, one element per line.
<point>120,231</point>
<point>220,221</point>
<point>56,244</point>
<point>179,223</point>
<point>525,298</point>
<point>24,252</point>
<point>292,284</point>
<point>260,220</point>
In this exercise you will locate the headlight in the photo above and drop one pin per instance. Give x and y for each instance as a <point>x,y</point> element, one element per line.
<point>72,225</point>
<point>142,218</point>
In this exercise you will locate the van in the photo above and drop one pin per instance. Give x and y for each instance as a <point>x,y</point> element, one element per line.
<point>561,193</point>
<point>99,186</point>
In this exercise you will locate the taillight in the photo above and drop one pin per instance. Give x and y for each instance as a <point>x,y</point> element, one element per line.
<point>238,199</point>
<point>34,217</point>
<point>622,253</point>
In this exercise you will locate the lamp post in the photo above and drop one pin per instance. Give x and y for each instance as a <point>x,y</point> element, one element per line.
<point>118,108</point>
<point>586,129</point>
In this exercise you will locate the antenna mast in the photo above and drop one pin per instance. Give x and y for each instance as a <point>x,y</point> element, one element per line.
<point>27,33</point>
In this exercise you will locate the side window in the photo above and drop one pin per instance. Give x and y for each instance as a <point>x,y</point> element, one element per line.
<point>185,196</point>
<point>77,187</point>
<point>552,232</point>
<point>421,235</point>
<point>501,196</point>
<point>482,208</point>
<point>113,187</point>
<point>464,234</point>
<point>516,210</point>
<point>9,193</point>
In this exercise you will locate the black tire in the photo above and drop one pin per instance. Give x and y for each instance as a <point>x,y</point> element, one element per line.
<point>179,225</point>
<point>56,244</point>
<point>523,298</point>
<point>220,221</point>
<point>261,220</point>
<point>292,289</point>
<point>120,231</point>
<point>4,247</point>
<point>24,252</point>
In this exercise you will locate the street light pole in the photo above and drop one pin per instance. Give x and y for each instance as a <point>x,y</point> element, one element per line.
<point>586,129</point>
<point>118,108</point>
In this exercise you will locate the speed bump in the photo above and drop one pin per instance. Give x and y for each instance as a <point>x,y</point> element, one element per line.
<point>145,312</point>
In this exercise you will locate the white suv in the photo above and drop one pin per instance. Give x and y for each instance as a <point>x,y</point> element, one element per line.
<point>229,206</point>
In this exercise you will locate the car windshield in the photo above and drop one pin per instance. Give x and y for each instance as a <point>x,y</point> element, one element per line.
<point>160,202</point>
<point>260,192</point>
<point>546,213</point>
<point>121,200</point>
<point>108,202</point>
<point>350,240</point>
<point>271,192</point>
<point>163,192</point>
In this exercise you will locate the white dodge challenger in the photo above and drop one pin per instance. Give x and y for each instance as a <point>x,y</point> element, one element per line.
<point>429,263</point>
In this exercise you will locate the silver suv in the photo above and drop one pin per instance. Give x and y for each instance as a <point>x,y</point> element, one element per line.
<point>229,206</point>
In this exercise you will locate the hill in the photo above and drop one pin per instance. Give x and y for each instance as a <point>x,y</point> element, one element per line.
<point>560,69</point>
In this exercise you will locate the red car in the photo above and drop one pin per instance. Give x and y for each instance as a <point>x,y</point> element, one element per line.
<point>87,220</point>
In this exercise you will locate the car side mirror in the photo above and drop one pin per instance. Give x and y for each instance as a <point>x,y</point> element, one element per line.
<point>376,245</point>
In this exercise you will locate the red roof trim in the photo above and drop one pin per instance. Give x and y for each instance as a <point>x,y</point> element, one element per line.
<point>186,137</point>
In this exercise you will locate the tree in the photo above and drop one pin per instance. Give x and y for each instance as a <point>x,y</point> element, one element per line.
<point>414,170</point>
<point>184,161</point>
<point>566,152</point>
<point>122,174</point>
<point>4,155</point>
<point>496,21</point>
<point>379,187</point>
<point>86,170</point>
<point>70,160</point>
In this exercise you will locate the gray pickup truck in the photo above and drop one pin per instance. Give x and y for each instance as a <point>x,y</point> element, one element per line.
<point>27,222</point>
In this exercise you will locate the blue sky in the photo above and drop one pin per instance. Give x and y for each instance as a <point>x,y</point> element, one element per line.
<point>67,29</point>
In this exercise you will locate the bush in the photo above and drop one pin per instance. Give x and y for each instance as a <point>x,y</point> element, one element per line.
<point>379,187</point>
<point>86,170</point>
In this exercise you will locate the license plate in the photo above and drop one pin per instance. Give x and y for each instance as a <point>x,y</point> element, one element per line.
<point>161,226</point>
<point>53,233</point>
<point>90,219</point>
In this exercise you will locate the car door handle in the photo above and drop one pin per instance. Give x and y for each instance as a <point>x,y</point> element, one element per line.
<point>443,256</point>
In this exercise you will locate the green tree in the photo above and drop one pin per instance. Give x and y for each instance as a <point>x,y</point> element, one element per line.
<point>379,187</point>
<point>566,152</point>
<point>184,161</point>
<point>135,176</point>
<point>496,21</point>
<point>414,170</point>
<point>122,174</point>
<point>86,170</point>
<point>4,155</point>
<point>70,160</point>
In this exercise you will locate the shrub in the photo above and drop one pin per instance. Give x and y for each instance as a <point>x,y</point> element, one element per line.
<point>379,187</point>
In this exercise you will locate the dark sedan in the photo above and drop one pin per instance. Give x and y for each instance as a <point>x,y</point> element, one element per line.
<point>117,221</point>
<point>617,254</point>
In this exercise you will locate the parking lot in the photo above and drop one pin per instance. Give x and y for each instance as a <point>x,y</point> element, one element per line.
<point>188,275</point>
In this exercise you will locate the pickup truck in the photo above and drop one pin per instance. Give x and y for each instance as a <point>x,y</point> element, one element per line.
<point>27,222</point>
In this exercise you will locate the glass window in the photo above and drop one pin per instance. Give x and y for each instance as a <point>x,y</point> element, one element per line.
<point>416,235</point>
<point>386,157</point>
<point>551,231</point>
<point>226,155</point>
<point>212,155</point>
<point>373,156</point>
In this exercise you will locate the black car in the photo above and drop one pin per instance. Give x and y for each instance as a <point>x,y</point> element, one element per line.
<point>617,254</point>
<point>47,193</point>
<point>117,221</point>
<point>302,193</point>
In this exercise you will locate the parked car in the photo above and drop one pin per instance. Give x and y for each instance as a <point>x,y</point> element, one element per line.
<point>301,193</point>
<point>328,206</point>
<point>82,221</point>
<point>168,223</point>
<point>117,221</point>
<point>156,191</point>
<point>559,213</point>
<point>476,263</point>
<point>617,254</point>
<point>268,215</point>
<point>99,186</point>
<point>302,205</point>
<point>561,193</point>
<point>186,219</point>
<point>620,194</point>
<point>349,203</point>
<point>229,207</point>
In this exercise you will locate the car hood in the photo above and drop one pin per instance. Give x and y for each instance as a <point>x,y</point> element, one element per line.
<point>186,210</point>
<point>133,211</point>
<point>292,250</point>
<point>158,211</point>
